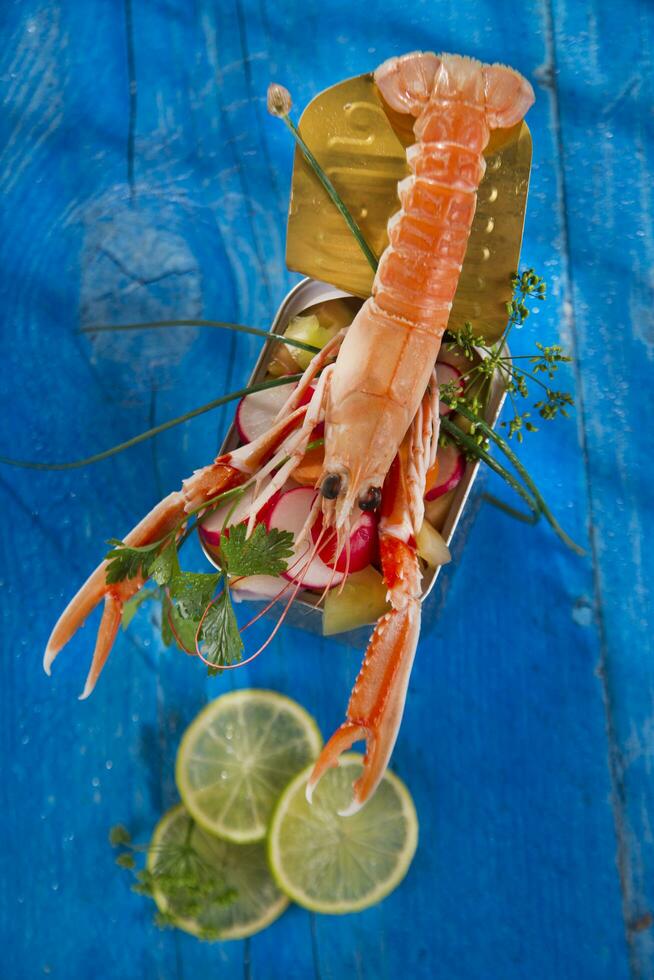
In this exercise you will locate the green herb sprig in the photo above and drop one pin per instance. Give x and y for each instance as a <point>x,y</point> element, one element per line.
<point>180,873</point>
<point>489,362</point>
<point>193,615</point>
<point>155,431</point>
<point>213,324</point>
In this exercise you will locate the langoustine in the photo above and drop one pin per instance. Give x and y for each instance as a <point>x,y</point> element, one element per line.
<point>376,401</point>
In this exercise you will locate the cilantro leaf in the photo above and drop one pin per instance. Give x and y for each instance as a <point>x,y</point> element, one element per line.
<point>167,636</point>
<point>263,553</point>
<point>126,562</point>
<point>221,640</point>
<point>186,598</point>
<point>165,565</point>
<point>193,592</point>
<point>183,629</point>
<point>131,606</point>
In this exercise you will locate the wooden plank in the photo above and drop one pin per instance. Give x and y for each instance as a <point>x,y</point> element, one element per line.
<point>62,169</point>
<point>606,145</point>
<point>175,200</point>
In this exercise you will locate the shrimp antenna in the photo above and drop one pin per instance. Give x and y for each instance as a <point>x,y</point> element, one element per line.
<point>276,598</point>
<point>288,605</point>
<point>348,556</point>
<point>337,552</point>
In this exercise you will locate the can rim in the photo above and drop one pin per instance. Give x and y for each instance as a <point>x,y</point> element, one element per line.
<point>296,302</point>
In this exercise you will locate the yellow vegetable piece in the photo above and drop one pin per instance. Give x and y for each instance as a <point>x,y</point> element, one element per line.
<point>431,476</point>
<point>308,330</point>
<point>335,313</point>
<point>315,326</point>
<point>437,510</point>
<point>362,601</point>
<point>282,362</point>
<point>431,546</point>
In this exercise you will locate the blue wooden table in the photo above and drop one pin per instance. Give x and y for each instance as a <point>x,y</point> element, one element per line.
<point>141,177</point>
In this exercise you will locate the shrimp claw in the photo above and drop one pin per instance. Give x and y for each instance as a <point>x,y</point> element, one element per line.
<point>159,522</point>
<point>165,517</point>
<point>376,705</point>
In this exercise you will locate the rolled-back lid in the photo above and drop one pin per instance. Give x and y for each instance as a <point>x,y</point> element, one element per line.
<point>361,144</point>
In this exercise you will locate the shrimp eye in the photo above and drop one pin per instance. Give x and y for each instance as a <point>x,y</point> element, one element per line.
<point>371,499</point>
<point>331,486</point>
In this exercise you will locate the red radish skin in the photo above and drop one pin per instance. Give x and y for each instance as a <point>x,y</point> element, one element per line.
<point>451,466</point>
<point>363,544</point>
<point>290,513</point>
<point>212,527</point>
<point>446,373</point>
<point>256,412</point>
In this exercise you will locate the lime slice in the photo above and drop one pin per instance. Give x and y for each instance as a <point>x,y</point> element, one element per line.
<point>238,755</point>
<point>338,864</point>
<point>227,890</point>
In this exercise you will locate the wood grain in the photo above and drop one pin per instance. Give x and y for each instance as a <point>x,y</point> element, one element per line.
<point>140,177</point>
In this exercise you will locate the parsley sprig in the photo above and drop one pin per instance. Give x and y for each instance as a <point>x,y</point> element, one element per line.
<point>194,615</point>
<point>180,873</point>
<point>263,553</point>
<point>125,562</point>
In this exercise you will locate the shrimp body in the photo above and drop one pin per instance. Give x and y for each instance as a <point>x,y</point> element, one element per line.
<point>388,354</point>
<point>378,399</point>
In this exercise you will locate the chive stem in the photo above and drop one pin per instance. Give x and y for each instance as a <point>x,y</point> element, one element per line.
<point>149,433</point>
<point>515,462</point>
<point>333,193</point>
<point>471,447</point>
<point>219,324</point>
<point>518,515</point>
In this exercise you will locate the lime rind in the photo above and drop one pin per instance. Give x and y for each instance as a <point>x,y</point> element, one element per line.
<point>308,858</point>
<point>247,862</point>
<point>230,782</point>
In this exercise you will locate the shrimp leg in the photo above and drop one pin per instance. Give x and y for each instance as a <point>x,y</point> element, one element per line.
<point>376,705</point>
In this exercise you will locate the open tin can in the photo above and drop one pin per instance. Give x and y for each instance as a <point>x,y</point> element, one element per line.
<point>305,611</point>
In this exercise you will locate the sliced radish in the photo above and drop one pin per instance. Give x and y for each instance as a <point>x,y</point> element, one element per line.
<point>290,513</point>
<point>449,468</point>
<point>256,412</point>
<point>446,373</point>
<point>213,526</point>
<point>363,544</point>
<point>256,588</point>
<point>455,357</point>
